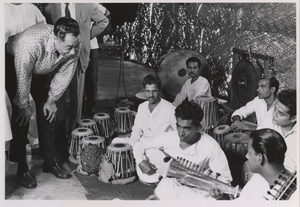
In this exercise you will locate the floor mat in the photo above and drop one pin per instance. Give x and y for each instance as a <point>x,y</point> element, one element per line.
<point>98,190</point>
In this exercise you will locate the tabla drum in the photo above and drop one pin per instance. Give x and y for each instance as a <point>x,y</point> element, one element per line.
<point>124,120</point>
<point>106,126</point>
<point>121,156</point>
<point>210,109</point>
<point>219,134</point>
<point>76,141</point>
<point>89,123</point>
<point>93,147</point>
<point>173,73</point>
<point>236,148</point>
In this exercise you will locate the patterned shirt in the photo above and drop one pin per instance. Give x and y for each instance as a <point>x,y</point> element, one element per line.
<point>34,53</point>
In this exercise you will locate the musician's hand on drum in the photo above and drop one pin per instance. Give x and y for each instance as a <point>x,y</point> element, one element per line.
<point>239,125</point>
<point>147,167</point>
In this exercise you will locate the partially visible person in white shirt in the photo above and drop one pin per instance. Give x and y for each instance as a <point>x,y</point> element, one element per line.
<point>285,122</point>
<point>266,154</point>
<point>194,86</point>
<point>154,116</point>
<point>262,105</point>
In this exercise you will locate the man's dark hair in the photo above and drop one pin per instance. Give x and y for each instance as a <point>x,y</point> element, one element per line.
<point>66,25</point>
<point>288,98</point>
<point>190,111</point>
<point>152,79</point>
<point>193,59</point>
<point>273,82</point>
<point>270,143</point>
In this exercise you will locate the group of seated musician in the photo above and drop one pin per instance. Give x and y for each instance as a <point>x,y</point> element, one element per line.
<point>271,146</point>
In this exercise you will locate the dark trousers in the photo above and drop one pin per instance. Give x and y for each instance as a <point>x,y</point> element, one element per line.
<point>91,80</point>
<point>40,86</point>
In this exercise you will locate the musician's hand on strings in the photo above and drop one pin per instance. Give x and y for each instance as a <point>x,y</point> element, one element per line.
<point>147,167</point>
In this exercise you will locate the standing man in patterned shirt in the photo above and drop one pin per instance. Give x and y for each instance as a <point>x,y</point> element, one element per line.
<point>84,14</point>
<point>41,60</point>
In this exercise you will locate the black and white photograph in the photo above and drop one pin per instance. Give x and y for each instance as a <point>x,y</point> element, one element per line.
<point>160,103</point>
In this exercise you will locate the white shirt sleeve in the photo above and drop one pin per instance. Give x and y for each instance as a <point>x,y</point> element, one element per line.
<point>219,164</point>
<point>137,129</point>
<point>246,110</point>
<point>181,96</point>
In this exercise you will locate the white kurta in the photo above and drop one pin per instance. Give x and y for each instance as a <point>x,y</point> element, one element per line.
<point>206,152</point>
<point>255,189</point>
<point>259,106</point>
<point>151,124</point>
<point>200,87</point>
<point>290,160</point>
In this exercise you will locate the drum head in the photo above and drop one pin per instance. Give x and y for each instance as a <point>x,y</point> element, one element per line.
<point>172,71</point>
<point>93,139</point>
<point>122,110</point>
<point>101,116</point>
<point>81,131</point>
<point>119,147</point>
<point>236,138</point>
<point>86,122</point>
<point>221,129</point>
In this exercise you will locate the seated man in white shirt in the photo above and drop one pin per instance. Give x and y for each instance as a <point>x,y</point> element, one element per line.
<point>262,105</point>
<point>194,86</point>
<point>285,122</point>
<point>189,143</point>
<point>266,154</point>
<point>154,116</point>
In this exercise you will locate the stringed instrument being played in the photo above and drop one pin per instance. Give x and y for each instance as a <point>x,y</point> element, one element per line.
<point>284,187</point>
<point>184,171</point>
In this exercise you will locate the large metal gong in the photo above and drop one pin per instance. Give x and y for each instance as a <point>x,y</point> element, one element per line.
<point>173,73</point>
<point>244,81</point>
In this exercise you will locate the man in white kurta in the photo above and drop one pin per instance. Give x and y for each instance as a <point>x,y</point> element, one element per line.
<point>154,116</point>
<point>284,121</point>
<point>194,86</point>
<point>262,105</point>
<point>266,155</point>
<point>189,143</point>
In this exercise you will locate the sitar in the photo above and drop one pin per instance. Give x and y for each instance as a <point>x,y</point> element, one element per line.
<point>185,171</point>
<point>283,187</point>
